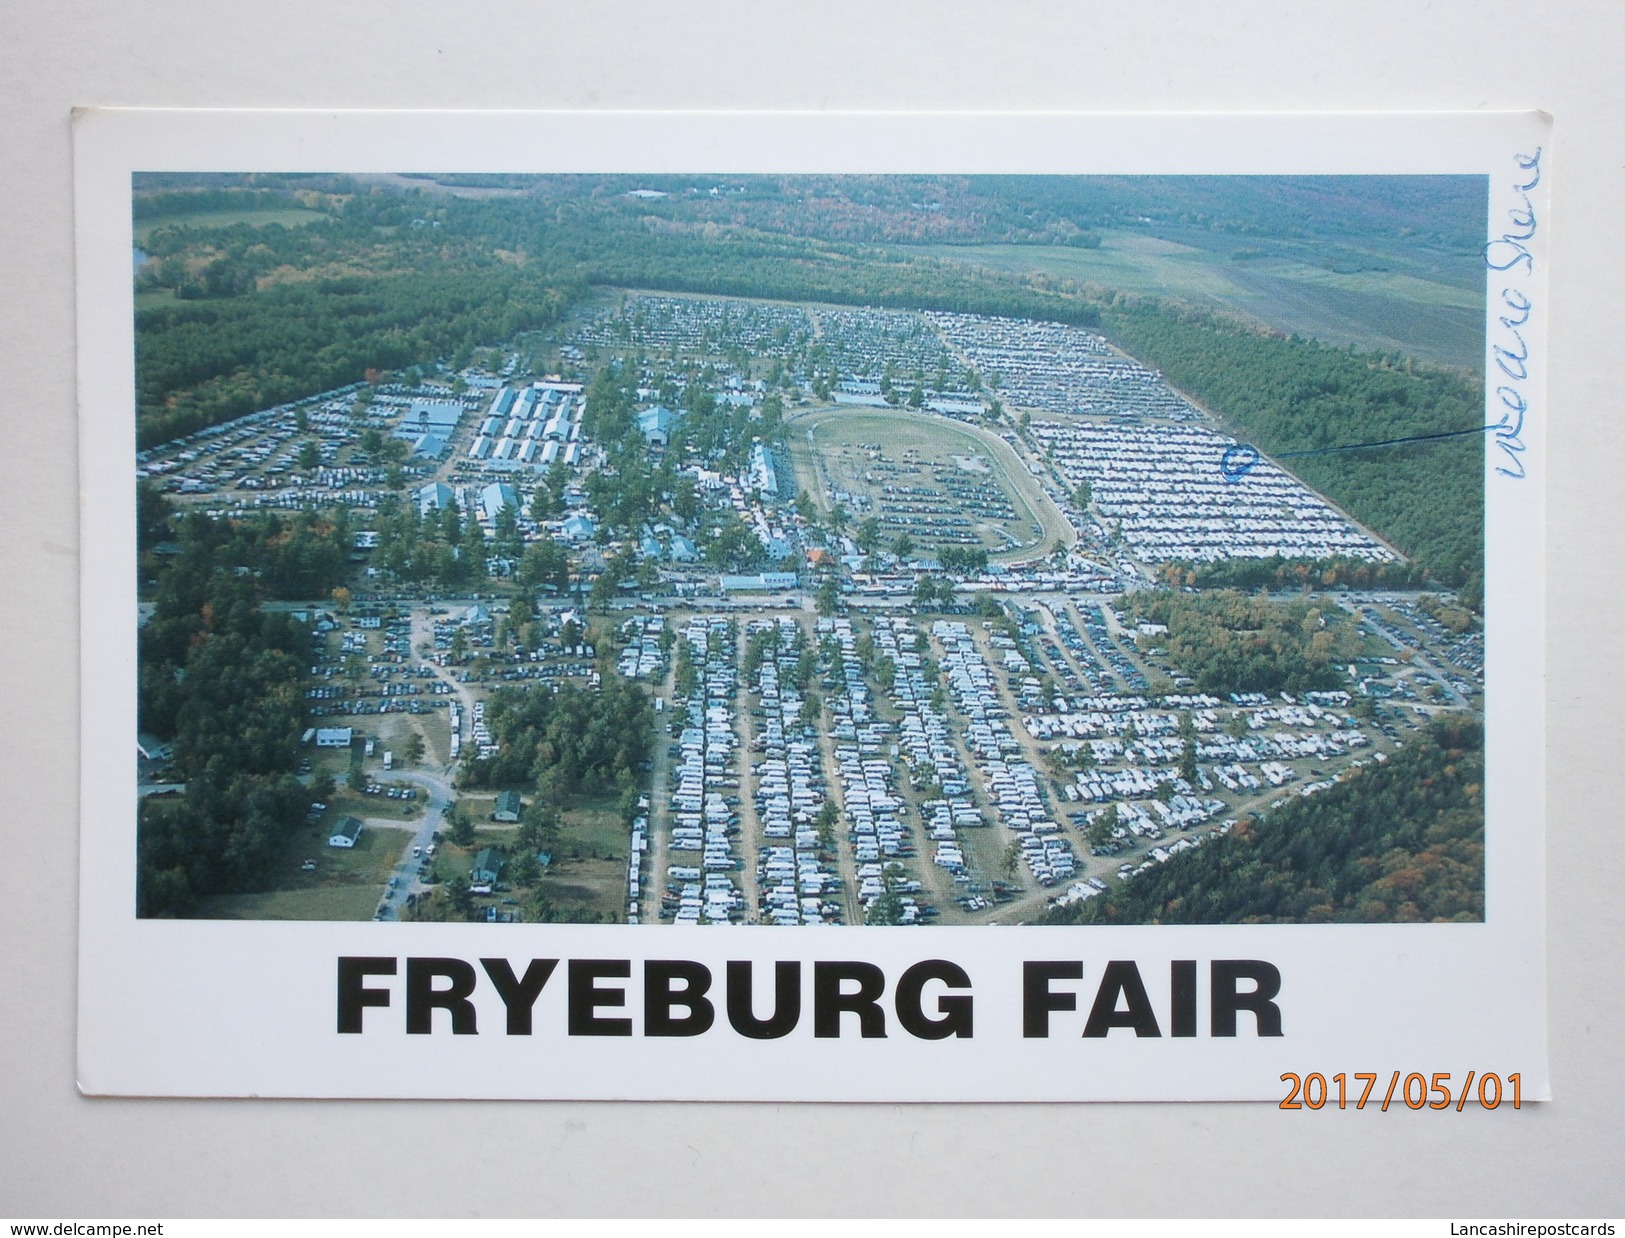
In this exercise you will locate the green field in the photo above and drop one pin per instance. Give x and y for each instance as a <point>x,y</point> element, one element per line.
<point>1424,306</point>
<point>347,883</point>
<point>288,217</point>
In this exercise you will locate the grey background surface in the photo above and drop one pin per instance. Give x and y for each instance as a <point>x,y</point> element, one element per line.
<point>62,1155</point>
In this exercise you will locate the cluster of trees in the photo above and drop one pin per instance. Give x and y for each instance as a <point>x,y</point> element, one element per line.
<point>297,556</point>
<point>1234,642</point>
<point>769,642</point>
<point>634,488</point>
<point>544,562</point>
<point>1397,842</point>
<point>1288,394</point>
<point>569,742</point>
<point>731,545</point>
<point>962,558</point>
<point>1278,573</point>
<point>441,547</point>
<point>933,593</point>
<point>224,680</point>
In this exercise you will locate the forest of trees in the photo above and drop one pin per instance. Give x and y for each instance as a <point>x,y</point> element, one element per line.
<point>224,680</point>
<point>1395,842</point>
<point>446,547</point>
<point>1234,642</point>
<point>202,362</point>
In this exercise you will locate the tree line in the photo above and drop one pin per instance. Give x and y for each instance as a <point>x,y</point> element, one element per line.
<point>1279,573</point>
<point>202,362</point>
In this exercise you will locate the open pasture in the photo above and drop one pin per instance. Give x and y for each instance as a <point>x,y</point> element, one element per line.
<point>288,217</point>
<point>1391,303</point>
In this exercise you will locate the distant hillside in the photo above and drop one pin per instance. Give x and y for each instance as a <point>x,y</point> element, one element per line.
<point>1445,212</point>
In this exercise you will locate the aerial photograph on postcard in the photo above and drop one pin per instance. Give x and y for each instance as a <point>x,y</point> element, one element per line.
<point>810,550</point>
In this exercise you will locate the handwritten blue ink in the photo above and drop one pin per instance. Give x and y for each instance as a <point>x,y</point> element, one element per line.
<point>1238,460</point>
<point>1511,352</point>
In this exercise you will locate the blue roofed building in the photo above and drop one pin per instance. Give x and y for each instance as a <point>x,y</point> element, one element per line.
<point>437,418</point>
<point>579,527</point>
<point>496,496</point>
<point>657,424</point>
<point>436,496</point>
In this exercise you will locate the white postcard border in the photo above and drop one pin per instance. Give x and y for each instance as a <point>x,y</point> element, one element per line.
<point>196,1008</point>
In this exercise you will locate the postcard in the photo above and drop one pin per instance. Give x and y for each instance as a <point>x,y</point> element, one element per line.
<point>813,607</point>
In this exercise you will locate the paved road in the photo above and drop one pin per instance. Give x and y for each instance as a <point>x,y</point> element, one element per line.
<point>1422,660</point>
<point>405,872</point>
<point>653,891</point>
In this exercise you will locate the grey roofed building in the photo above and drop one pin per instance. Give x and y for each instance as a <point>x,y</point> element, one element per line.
<point>487,868</point>
<point>345,833</point>
<point>430,417</point>
<point>508,807</point>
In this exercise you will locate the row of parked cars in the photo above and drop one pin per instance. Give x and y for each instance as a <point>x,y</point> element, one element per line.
<point>704,821</point>
<point>795,881</point>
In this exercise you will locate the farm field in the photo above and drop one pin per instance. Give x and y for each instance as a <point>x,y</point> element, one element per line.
<point>1432,315</point>
<point>288,217</point>
<point>942,483</point>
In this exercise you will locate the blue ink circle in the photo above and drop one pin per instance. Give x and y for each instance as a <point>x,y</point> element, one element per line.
<point>1238,460</point>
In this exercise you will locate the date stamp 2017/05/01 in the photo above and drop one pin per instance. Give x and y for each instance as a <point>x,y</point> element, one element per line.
<point>1415,1090</point>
